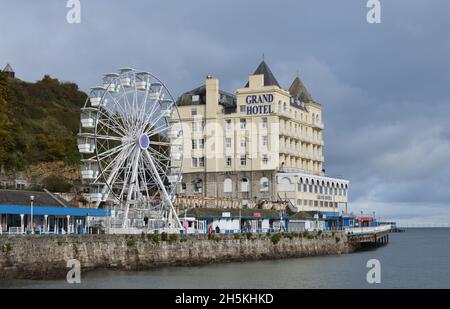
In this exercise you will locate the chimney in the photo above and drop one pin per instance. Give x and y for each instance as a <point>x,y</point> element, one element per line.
<point>212,96</point>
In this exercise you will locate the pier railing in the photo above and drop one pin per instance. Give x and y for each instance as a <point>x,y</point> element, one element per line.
<point>367,230</point>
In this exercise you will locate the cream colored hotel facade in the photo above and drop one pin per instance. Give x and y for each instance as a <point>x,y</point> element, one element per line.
<point>263,143</point>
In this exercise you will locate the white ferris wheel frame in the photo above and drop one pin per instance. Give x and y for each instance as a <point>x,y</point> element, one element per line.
<point>133,145</point>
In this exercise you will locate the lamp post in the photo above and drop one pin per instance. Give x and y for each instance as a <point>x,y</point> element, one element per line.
<point>31,205</point>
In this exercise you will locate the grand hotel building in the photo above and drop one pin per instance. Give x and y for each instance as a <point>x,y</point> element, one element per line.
<point>263,143</point>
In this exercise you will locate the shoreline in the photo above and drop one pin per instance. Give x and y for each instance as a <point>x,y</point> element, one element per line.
<point>45,257</point>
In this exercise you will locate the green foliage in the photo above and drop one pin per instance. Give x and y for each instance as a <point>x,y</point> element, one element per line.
<point>56,184</point>
<point>337,239</point>
<point>6,248</point>
<point>173,237</point>
<point>237,236</point>
<point>275,238</point>
<point>249,235</point>
<point>130,242</point>
<point>154,238</point>
<point>38,121</point>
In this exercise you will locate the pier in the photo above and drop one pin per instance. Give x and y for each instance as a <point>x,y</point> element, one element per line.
<point>368,236</point>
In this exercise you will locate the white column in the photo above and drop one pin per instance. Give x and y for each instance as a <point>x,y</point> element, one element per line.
<point>68,224</point>
<point>45,223</point>
<point>21,223</point>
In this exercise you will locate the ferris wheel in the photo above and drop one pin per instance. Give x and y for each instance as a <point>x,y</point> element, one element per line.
<point>131,144</point>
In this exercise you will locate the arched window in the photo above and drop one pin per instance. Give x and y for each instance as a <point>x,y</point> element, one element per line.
<point>198,186</point>
<point>264,183</point>
<point>228,186</point>
<point>286,185</point>
<point>244,185</point>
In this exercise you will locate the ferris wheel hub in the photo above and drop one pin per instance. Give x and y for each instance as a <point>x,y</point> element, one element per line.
<point>144,141</point>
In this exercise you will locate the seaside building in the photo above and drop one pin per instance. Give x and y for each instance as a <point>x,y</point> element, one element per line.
<point>262,143</point>
<point>22,211</point>
<point>8,70</point>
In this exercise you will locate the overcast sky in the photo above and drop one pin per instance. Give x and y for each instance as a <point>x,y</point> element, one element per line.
<point>384,87</point>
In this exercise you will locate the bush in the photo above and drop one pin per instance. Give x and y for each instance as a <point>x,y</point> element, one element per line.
<point>55,183</point>
<point>275,238</point>
<point>131,242</point>
<point>249,235</point>
<point>337,239</point>
<point>6,248</point>
<point>237,236</point>
<point>154,238</point>
<point>173,237</point>
<point>163,236</point>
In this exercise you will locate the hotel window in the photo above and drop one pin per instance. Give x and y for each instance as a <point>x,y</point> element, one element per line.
<point>228,185</point>
<point>194,162</point>
<point>198,186</point>
<point>310,202</point>
<point>198,126</point>
<point>264,122</point>
<point>244,185</point>
<point>195,98</point>
<point>310,188</point>
<point>243,143</point>
<point>228,142</point>
<point>321,204</point>
<point>202,143</point>
<point>316,203</point>
<point>243,160</point>
<point>194,112</point>
<point>305,188</point>
<point>201,161</point>
<point>183,187</point>
<point>265,159</point>
<point>243,123</point>
<point>265,141</point>
<point>242,108</point>
<point>305,202</point>
<point>228,124</point>
<point>264,184</point>
<point>228,162</point>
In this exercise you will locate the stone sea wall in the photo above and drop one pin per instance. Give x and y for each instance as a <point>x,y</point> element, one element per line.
<point>45,257</point>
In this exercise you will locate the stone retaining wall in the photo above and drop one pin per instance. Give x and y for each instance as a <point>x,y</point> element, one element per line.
<point>44,257</point>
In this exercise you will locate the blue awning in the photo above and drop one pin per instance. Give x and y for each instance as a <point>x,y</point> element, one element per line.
<point>53,211</point>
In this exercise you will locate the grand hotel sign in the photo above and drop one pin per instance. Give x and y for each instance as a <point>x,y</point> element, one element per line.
<point>259,104</point>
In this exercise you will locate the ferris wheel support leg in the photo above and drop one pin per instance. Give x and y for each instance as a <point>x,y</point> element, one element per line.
<point>172,212</point>
<point>130,191</point>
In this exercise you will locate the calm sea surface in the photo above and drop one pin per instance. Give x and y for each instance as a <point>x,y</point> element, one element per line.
<point>418,258</point>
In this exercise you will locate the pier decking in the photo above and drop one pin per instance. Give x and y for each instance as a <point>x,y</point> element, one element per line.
<point>369,236</point>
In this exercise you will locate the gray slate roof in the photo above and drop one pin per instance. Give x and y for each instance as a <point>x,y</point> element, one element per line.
<point>8,68</point>
<point>22,198</point>
<point>228,100</point>
<point>269,78</point>
<point>299,91</point>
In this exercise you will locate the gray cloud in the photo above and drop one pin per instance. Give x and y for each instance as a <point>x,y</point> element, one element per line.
<point>384,88</point>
